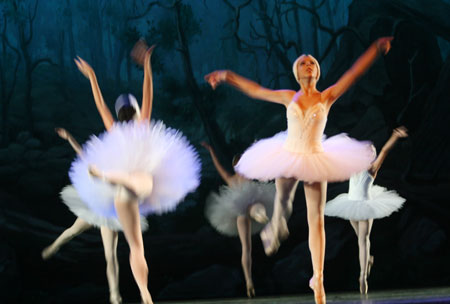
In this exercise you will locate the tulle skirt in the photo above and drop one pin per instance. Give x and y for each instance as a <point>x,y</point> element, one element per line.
<point>381,204</point>
<point>341,157</point>
<point>223,208</point>
<point>71,198</point>
<point>153,149</point>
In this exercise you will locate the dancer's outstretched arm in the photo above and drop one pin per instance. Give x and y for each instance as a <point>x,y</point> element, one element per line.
<point>67,136</point>
<point>362,64</point>
<point>399,132</point>
<point>89,73</point>
<point>226,176</point>
<point>249,87</point>
<point>142,54</point>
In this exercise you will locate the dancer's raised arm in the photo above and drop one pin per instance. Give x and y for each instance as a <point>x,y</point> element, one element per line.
<point>249,87</point>
<point>399,132</point>
<point>89,73</point>
<point>142,54</point>
<point>380,47</point>
<point>64,134</point>
<point>226,176</point>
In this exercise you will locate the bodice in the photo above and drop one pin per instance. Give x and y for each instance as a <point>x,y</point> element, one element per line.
<point>359,186</point>
<point>305,129</point>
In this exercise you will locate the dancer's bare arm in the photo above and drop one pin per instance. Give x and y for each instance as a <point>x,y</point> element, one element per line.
<point>249,87</point>
<point>400,132</point>
<point>64,134</point>
<point>226,176</point>
<point>142,54</point>
<point>89,73</point>
<point>362,64</point>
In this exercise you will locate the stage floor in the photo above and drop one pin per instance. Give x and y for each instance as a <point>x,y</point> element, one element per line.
<point>432,295</point>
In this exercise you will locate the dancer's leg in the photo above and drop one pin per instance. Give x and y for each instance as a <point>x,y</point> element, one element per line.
<point>78,227</point>
<point>127,208</point>
<point>244,229</point>
<point>109,239</point>
<point>315,194</point>
<point>354,226</point>
<point>140,183</point>
<point>364,228</point>
<point>276,230</point>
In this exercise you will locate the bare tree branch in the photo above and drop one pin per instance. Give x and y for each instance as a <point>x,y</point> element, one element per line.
<point>30,23</point>
<point>145,12</point>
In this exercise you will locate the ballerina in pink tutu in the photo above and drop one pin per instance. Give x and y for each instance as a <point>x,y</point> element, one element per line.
<point>142,167</point>
<point>365,202</point>
<point>300,153</point>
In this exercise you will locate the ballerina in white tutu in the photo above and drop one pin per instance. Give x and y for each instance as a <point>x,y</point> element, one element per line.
<point>141,167</point>
<point>300,154</point>
<point>365,202</point>
<point>85,220</point>
<point>240,208</point>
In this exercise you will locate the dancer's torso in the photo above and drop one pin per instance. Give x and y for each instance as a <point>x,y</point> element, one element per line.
<point>359,186</point>
<point>305,128</point>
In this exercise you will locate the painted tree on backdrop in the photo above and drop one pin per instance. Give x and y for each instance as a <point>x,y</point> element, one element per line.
<point>278,31</point>
<point>176,33</point>
<point>22,15</point>
<point>9,57</point>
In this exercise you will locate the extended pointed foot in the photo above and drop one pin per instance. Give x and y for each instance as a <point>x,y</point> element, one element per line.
<point>146,298</point>
<point>115,298</point>
<point>363,287</point>
<point>250,291</point>
<point>270,240</point>
<point>316,284</point>
<point>370,264</point>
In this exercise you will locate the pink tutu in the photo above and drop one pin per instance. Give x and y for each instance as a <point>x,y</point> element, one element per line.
<point>340,157</point>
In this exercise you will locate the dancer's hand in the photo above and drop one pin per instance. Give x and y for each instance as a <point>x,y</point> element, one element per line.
<point>141,53</point>
<point>215,78</point>
<point>62,133</point>
<point>383,44</point>
<point>401,132</point>
<point>205,145</point>
<point>94,171</point>
<point>84,67</point>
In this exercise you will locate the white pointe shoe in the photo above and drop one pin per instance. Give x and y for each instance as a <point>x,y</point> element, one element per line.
<point>146,298</point>
<point>270,240</point>
<point>319,290</point>
<point>363,287</point>
<point>115,298</point>
<point>250,291</point>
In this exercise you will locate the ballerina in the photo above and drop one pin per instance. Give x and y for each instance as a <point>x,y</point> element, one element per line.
<point>365,202</point>
<point>141,167</point>
<point>299,153</point>
<point>86,219</point>
<point>240,208</point>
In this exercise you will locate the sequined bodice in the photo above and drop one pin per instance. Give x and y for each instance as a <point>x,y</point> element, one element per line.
<point>305,129</point>
<point>359,186</point>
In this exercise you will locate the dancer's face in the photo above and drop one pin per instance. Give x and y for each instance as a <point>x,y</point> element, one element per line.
<point>307,68</point>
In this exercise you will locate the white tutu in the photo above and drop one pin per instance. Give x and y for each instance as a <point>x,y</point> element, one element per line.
<point>382,203</point>
<point>223,208</point>
<point>163,153</point>
<point>341,157</point>
<point>71,198</point>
